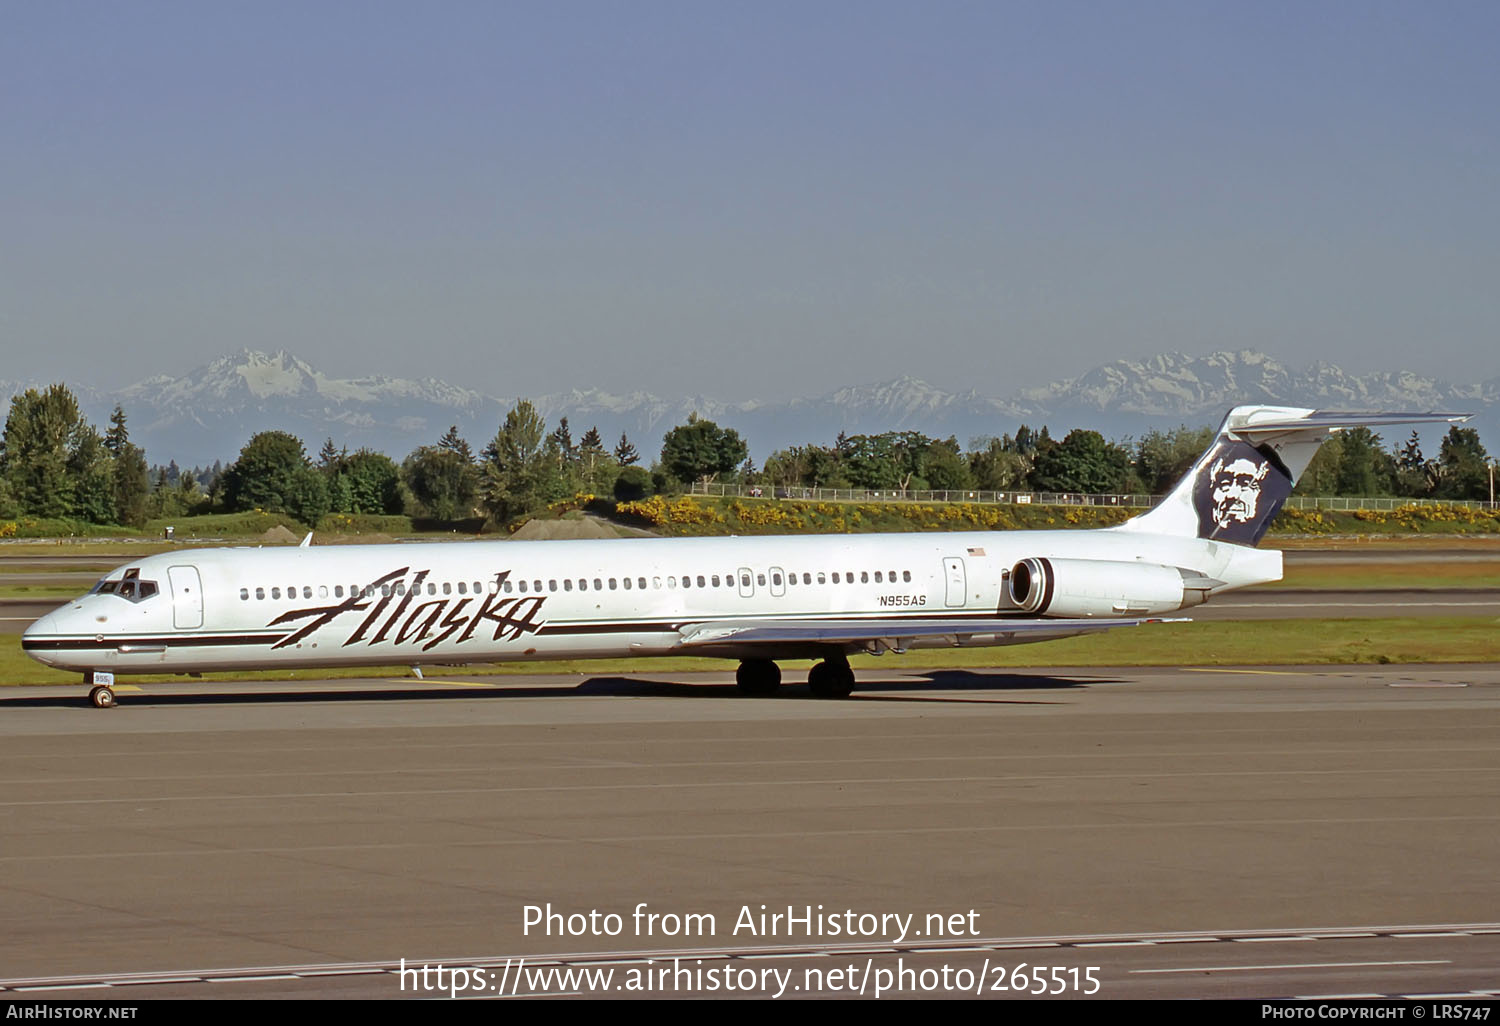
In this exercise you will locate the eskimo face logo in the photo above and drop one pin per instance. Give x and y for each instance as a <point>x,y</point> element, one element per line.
<point>1239,488</point>
<point>1235,490</point>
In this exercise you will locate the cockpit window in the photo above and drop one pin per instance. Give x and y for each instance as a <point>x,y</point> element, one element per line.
<point>130,587</point>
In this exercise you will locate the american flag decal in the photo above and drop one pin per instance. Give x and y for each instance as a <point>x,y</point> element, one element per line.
<point>976,552</point>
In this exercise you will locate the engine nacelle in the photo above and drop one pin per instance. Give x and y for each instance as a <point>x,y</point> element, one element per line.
<point>1100,587</point>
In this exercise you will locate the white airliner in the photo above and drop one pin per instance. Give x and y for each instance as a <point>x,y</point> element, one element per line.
<point>756,600</point>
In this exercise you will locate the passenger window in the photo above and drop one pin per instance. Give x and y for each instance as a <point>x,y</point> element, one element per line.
<point>244,594</point>
<point>276,593</point>
<point>776,580</point>
<point>807,578</point>
<point>627,583</point>
<point>877,577</point>
<point>835,577</point>
<point>640,582</point>
<point>260,594</point>
<point>671,582</point>
<point>598,584</point>
<point>700,581</point>
<point>612,582</point>
<point>338,591</point>
<point>523,587</point>
<point>568,584</point>
<point>656,582</point>
<point>760,579</point>
<point>507,587</point>
<point>551,585</point>
<point>463,587</point>
<point>906,576</point>
<point>307,591</point>
<point>864,577</point>
<point>322,591</point>
<point>716,580</point>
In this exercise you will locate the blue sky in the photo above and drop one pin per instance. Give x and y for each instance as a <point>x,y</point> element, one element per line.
<point>756,199</point>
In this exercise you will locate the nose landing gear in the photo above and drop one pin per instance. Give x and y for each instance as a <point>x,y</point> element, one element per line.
<point>102,694</point>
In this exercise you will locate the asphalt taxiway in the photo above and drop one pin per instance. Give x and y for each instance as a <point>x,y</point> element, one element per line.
<point>1191,832</point>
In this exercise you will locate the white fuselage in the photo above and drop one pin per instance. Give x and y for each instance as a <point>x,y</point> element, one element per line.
<point>414,604</point>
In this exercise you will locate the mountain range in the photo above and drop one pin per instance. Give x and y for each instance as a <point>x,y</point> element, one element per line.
<point>208,413</point>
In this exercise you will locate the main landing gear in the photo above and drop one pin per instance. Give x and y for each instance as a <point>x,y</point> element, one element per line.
<point>758,678</point>
<point>832,678</point>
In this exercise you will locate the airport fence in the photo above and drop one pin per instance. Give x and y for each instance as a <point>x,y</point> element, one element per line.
<point>1333,503</point>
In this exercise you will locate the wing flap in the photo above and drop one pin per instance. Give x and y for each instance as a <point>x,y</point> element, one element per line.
<point>896,633</point>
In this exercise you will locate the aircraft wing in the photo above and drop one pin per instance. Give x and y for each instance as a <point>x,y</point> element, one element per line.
<point>877,635</point>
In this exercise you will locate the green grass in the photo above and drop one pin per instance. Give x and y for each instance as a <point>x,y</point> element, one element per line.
<point>1217,643</point>
<point>1480,574</point>
<point>61,592</point>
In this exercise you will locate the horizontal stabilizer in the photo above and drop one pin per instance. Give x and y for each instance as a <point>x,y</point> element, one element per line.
<point>1336,420</point>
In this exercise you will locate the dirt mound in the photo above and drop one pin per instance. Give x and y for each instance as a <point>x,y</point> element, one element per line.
<point>279,535</point>
<point>559,530</point>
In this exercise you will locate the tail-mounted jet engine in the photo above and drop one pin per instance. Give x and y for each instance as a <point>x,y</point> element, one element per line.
<point>1043,586</point>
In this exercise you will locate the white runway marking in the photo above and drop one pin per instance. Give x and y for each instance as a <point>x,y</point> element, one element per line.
<point>1288,965</point>
<point>597,958</point>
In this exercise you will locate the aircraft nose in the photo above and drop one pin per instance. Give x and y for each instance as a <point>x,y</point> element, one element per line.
<point>41,627</point>
<point>36,639</point>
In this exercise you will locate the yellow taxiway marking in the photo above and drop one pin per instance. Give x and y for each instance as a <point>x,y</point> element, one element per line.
<point>1263,673</point>
<point>125,687</point>
<point>452,683</point>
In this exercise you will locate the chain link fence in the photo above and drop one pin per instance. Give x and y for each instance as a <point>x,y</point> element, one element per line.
<point>1334,503</point>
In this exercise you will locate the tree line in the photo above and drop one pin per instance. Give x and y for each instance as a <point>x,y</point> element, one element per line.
<point>54,464</point>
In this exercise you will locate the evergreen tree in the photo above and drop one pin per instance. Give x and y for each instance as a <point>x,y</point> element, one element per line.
<point>129,478</point>
<point>451,442</point>
<point>522,468</point>
<point>53,460</point>
<point>1415,475</point>
<point>625,453</point>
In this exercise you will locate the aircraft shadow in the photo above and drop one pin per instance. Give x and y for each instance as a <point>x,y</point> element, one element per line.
<point>978,685</point>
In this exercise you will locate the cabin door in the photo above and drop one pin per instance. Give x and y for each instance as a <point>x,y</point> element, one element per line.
<point>958,587</point>
<point>187,597</point>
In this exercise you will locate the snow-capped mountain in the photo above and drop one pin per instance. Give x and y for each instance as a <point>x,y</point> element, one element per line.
<point>208,413</point>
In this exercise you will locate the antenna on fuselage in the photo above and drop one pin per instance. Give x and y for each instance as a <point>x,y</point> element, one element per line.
<point>306,541</point>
